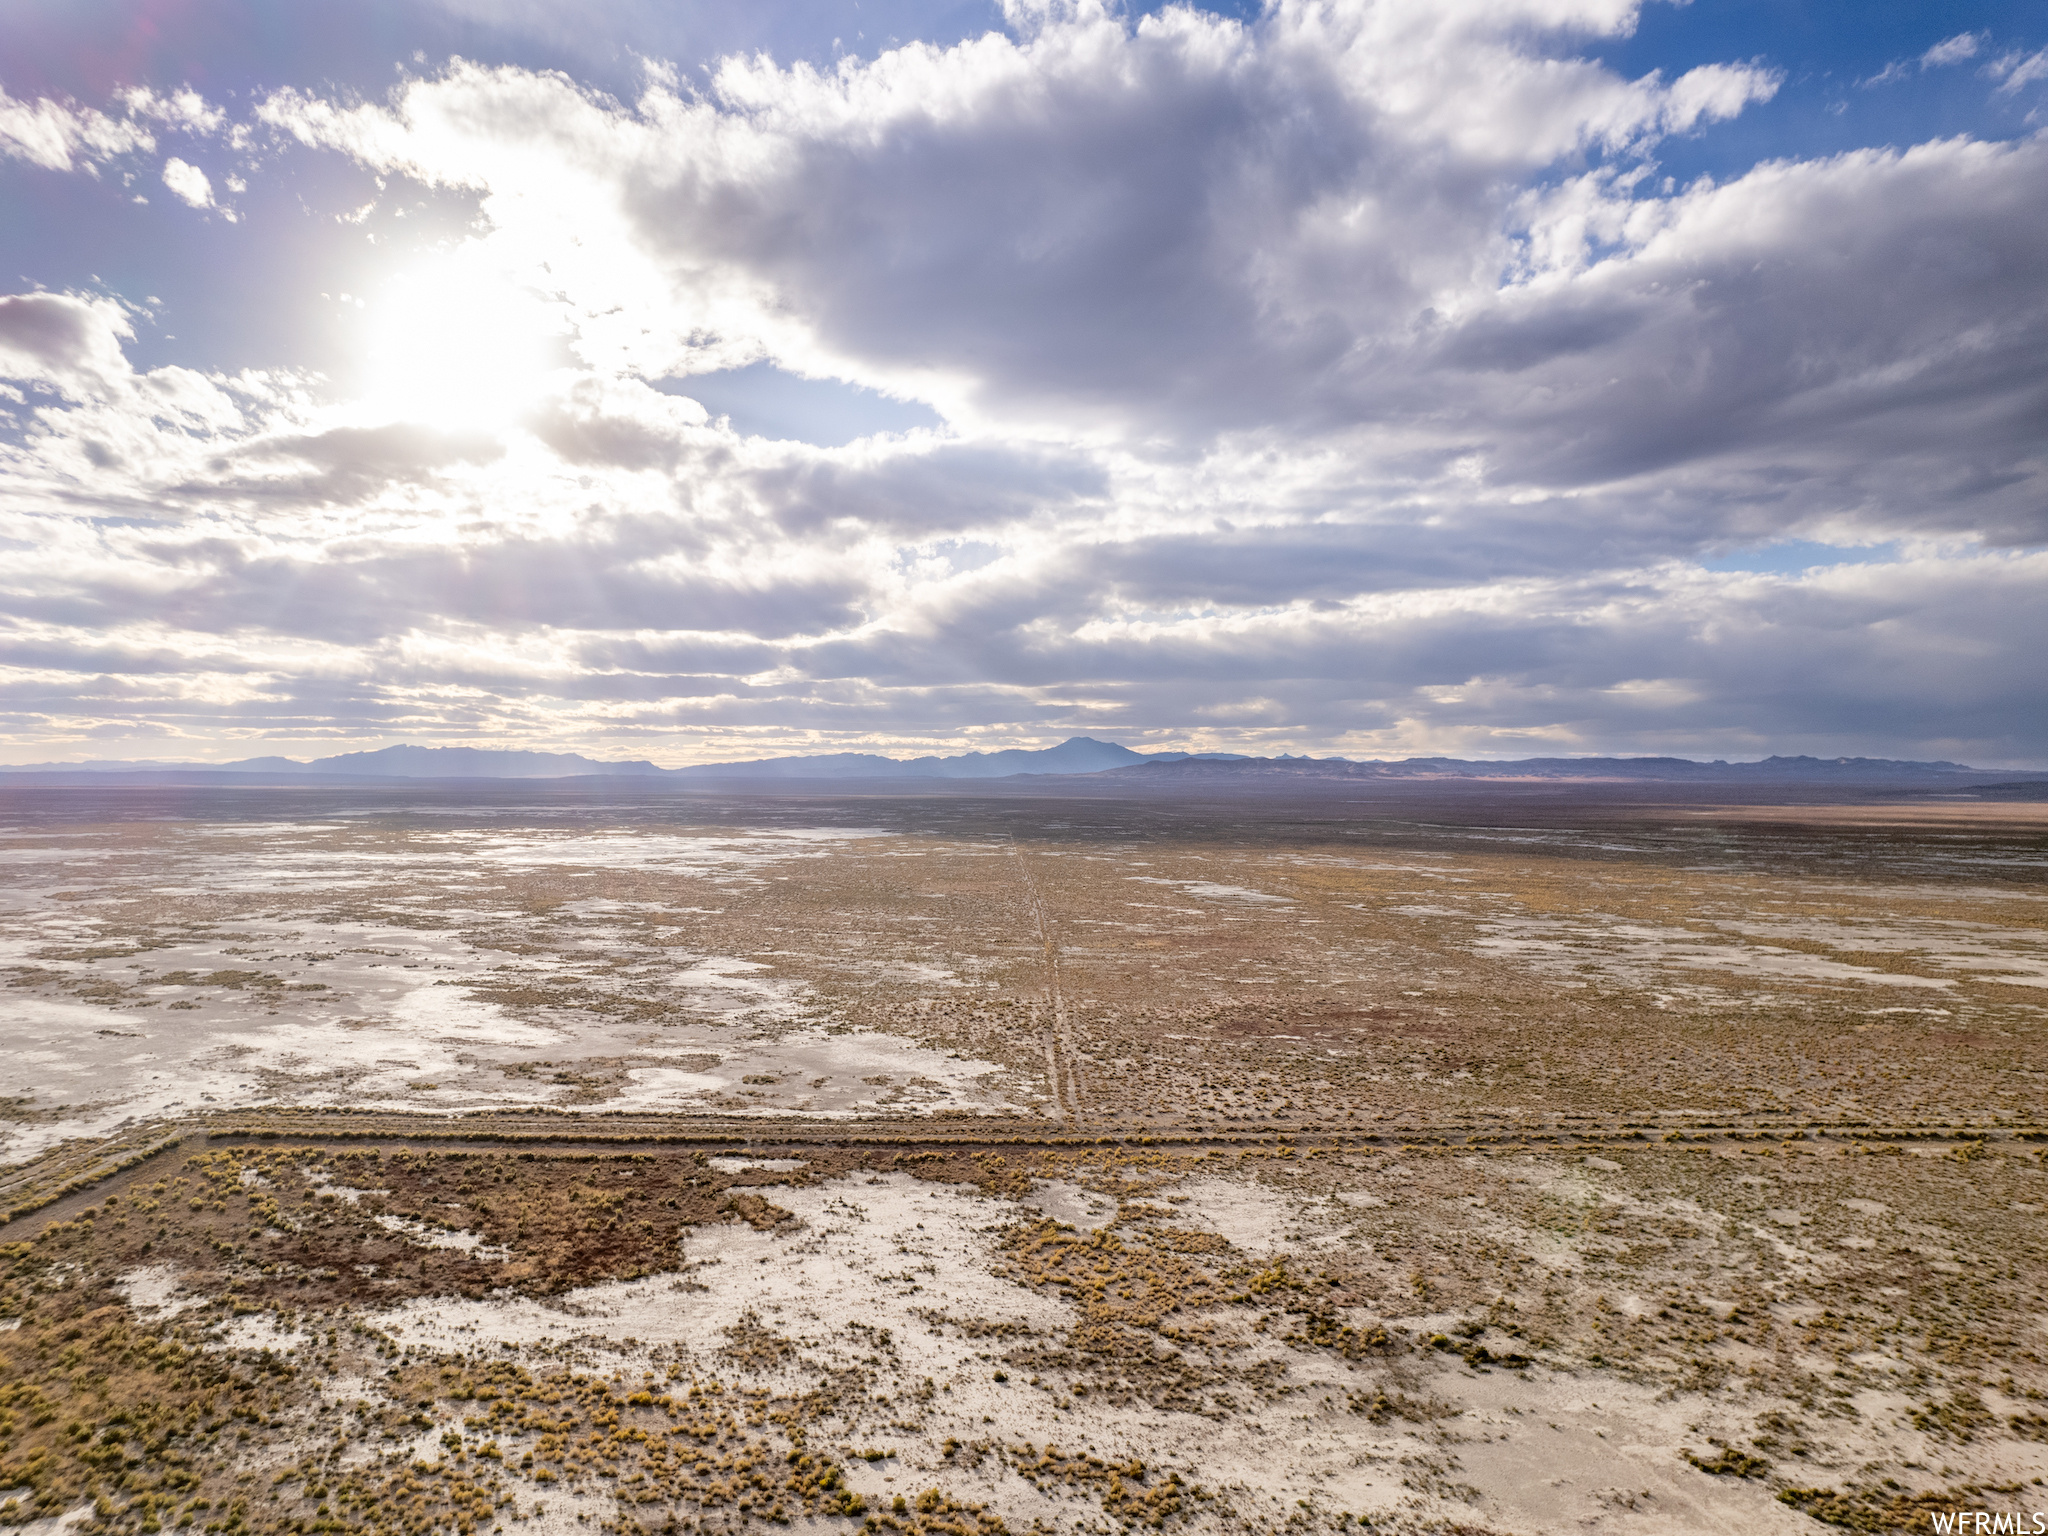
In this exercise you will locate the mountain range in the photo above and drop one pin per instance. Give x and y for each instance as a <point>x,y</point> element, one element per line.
<point>1769,770</point>
<point>1078,754</point>
<point>1075,757</point>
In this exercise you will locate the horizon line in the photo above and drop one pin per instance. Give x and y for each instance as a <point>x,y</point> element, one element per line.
<point>885,755</point>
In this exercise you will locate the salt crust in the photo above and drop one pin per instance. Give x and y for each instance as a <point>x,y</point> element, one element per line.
<point>1211,889</point>
<point>395,1017</point>
<point>153,1290</point>
<point>421,1235</point>
<point>877,1265</point>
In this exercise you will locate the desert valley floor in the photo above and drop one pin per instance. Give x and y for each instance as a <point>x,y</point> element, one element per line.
<point>543,1159</point>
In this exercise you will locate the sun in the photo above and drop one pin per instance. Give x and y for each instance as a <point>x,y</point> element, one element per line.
<point>453,343</point>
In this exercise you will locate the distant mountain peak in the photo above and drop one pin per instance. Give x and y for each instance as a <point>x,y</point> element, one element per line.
<point>1077,754</point>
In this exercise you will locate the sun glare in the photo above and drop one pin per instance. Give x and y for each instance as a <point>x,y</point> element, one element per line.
<point>454,344</point>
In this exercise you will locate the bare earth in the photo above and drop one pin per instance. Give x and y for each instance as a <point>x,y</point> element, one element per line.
<point>1487,1161</point>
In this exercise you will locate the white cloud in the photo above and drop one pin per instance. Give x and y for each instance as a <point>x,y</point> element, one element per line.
<point>2015,70</point>
<point>1950,50</point>
<point>60,136</point>
<point>1715,93</point>
<point>189,183</point>
<point>1953,50</point>
<point>183,109</point>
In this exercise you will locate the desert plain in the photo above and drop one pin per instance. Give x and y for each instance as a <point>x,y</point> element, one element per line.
<point>1469,1160</point>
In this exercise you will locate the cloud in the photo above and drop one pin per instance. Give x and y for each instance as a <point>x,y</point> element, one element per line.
<point>1346,379</point>
<point>619,423</point>
<point>1714,93</point>
<point>1950,50</point>
<point>2015,70</point>
<point>1077,225</point>
<point>183,109</point>
<point>69,342</point>
<point>1729,338</point>
<point>61,136</point>
<point>1953,50</point>
<point>340,464</point>
<point>189,183</point>
<point>945,488</point>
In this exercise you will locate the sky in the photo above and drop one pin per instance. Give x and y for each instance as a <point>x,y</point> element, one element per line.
<point>696,379</point>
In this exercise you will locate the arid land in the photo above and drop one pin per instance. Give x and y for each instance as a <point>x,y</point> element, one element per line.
<point>1482,1160</point>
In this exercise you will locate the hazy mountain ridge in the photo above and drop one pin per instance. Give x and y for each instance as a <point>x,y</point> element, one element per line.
<point>1770,770</point>
<point>1078,756</point>
<point>1075,755</point>
<point>398,762</point>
